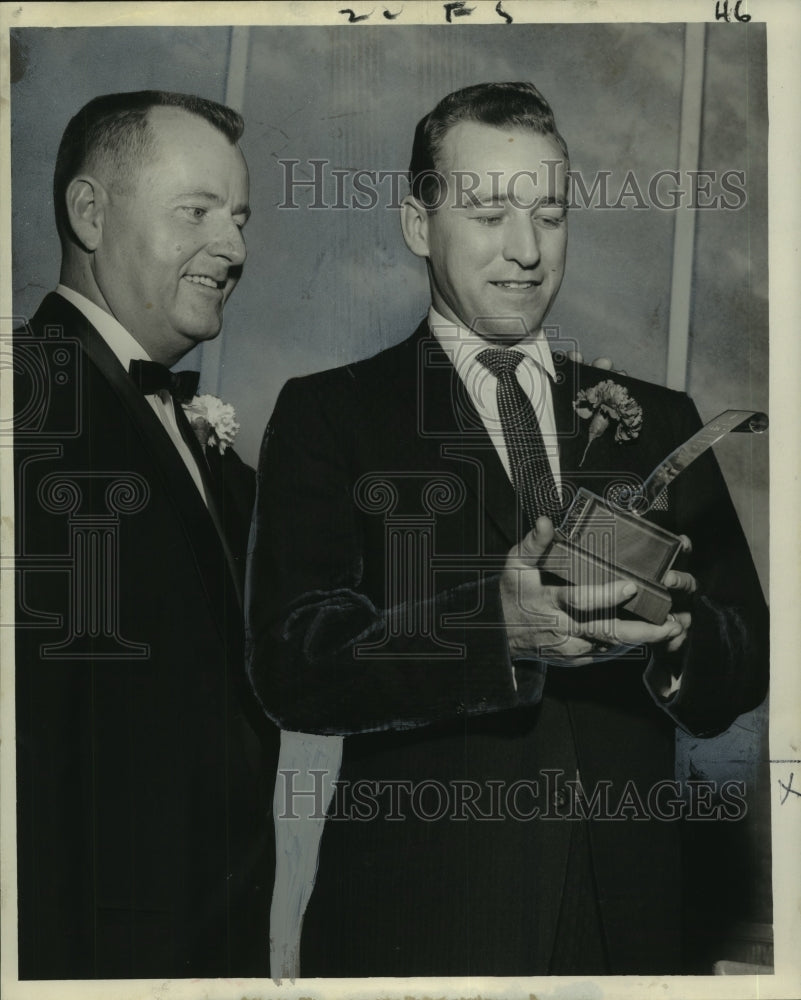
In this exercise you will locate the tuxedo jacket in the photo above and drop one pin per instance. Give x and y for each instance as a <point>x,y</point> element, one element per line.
<point>383,519</point>
<point>143,764</point>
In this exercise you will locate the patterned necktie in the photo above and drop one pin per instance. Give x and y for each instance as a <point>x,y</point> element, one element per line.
<point>531,471</point>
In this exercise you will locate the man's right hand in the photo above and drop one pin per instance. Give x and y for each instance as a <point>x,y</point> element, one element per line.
<point>566,625</point>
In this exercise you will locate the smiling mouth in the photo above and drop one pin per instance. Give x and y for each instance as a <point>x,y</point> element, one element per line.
<point>516,284</point>
<point>205,280</point>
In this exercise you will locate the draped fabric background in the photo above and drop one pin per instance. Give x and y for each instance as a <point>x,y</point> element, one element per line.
<point>324,286</point>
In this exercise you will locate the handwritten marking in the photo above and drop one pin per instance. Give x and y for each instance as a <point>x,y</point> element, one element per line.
<point>722,12</point>
<point>499,10</point>
<point>788,788</point>
<point>454,8</point>
<point>457,9</point>
<point>353,17</point>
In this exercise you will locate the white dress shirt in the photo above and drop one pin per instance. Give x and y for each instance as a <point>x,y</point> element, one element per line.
<point>127,349</point>
<point>534,374</point>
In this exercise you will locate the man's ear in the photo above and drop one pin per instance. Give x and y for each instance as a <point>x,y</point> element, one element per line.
<point>86,201</point>
<point>414,223</point>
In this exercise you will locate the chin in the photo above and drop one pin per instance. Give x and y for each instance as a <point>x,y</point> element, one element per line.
<point>201,334</point>
<point>516,330</point>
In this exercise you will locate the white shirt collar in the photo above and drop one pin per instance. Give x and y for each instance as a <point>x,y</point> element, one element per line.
<point>462,344</point>
<point>124,345</point>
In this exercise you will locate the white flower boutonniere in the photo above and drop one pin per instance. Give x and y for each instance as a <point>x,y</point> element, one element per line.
<point>604,402</point>
<point>213,421</point>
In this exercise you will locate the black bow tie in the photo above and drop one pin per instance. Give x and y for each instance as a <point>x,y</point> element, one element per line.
<point>151,377</point>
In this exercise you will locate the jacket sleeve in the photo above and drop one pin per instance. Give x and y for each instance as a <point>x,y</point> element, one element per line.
<point>310,622</point>
<point>724,663</point>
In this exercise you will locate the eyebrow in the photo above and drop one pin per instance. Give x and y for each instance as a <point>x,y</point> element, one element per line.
<point>215,199</point>
<point>499,200</point>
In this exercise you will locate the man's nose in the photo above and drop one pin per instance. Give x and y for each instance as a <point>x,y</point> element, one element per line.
<point>522,245</point>
<point>229,243</point>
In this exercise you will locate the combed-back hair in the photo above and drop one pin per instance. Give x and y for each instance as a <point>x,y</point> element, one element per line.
<point>113,129</point>
<point>503,105</point>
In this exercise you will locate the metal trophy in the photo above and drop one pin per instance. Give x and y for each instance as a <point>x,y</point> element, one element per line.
<point>602,542</point>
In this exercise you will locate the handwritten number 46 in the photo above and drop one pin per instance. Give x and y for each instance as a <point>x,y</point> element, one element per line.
<point>722,12</point>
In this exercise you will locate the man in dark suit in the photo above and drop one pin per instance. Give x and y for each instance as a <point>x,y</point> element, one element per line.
<point>505,804</point>
<point>144,767</point>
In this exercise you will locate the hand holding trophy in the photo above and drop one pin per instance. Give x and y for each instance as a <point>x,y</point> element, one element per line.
<point>605,541</point>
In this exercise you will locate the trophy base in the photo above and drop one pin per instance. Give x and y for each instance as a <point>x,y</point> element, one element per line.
<point>597,544</point>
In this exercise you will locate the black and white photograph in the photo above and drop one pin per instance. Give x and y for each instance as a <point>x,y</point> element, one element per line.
<point>400,499</point>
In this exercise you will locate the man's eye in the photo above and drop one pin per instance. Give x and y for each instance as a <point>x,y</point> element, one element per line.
<point>550,221</point>
<point>195,214</point>
<point>488,220</point>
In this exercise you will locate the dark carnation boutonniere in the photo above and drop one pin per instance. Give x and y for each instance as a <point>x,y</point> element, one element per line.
<point>213,421</point>
<point>604,402</point>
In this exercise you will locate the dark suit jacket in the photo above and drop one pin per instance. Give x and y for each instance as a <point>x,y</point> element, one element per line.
<point>383,518</point>
<point>143,764</point>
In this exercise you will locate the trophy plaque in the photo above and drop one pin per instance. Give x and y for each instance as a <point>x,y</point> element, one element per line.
<point>603,541</point>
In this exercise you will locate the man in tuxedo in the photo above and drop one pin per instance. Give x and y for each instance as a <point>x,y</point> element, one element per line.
<point>505,804</point>
<point>144,766</point>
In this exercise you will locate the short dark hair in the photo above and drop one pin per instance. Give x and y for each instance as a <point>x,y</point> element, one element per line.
<point>504,105</point>
<point>114,127</point>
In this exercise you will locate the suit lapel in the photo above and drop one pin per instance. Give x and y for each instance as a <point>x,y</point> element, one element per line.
<point>201,525</point>
<point>212,488</point>
<point>453,427</point>
<point>563,392</point>
<point>582,466</point>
